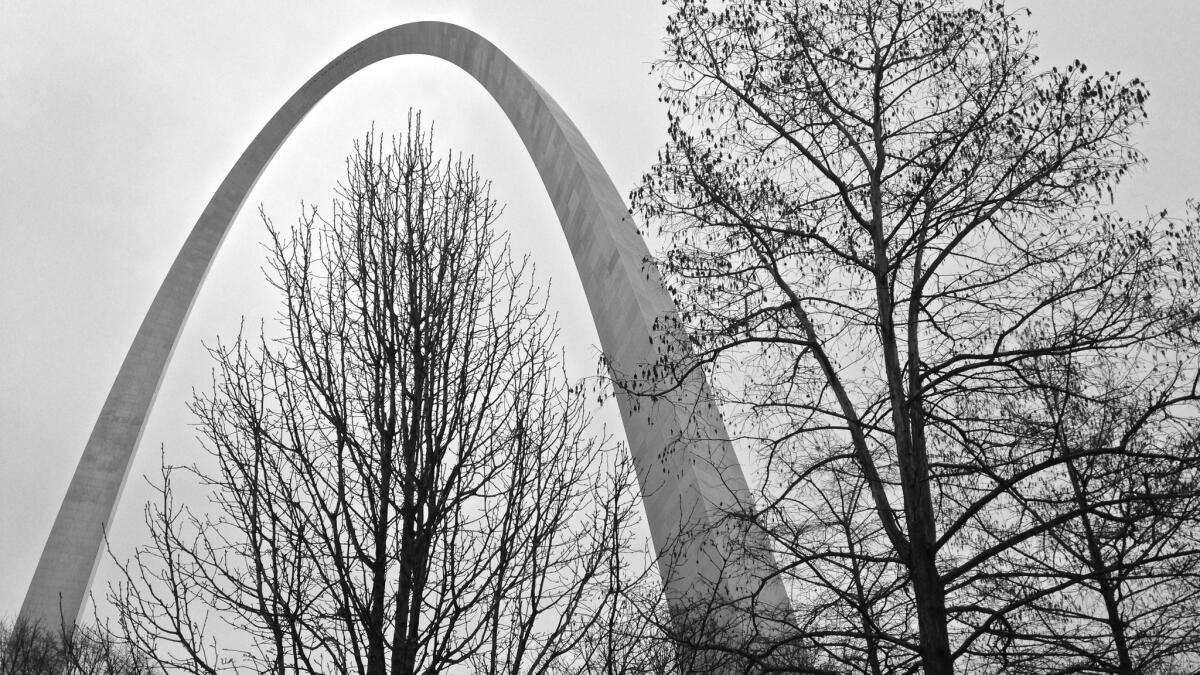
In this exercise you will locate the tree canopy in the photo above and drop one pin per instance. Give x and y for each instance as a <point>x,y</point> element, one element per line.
<point>404,481</point>
<point>971,385</point>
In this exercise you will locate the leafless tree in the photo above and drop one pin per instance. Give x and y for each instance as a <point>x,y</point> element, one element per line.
<point>88,650</point>
<point>405,482</point>
<point>971,386</point>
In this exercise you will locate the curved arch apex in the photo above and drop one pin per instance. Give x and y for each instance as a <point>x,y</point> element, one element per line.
<point>686,484</point>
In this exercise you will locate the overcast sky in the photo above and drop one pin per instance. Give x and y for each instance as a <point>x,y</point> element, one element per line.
<point>118,120</point>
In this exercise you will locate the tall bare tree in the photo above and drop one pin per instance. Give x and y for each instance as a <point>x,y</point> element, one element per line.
<point>972,387</point>
<point>405,482</point>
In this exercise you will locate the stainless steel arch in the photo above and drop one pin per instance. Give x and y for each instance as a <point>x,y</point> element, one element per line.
<point>687,468</point>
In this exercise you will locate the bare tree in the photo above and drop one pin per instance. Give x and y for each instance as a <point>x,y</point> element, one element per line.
<point>404,482</point>
<point>88,650</point>
<point>972,387</point>
<point>1117,590</point>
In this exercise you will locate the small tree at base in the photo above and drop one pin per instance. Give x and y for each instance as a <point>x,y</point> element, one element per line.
<point>88,650</point>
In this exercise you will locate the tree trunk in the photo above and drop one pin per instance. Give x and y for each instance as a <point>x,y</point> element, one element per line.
<point>931,608</point>
<point>1112,607</point>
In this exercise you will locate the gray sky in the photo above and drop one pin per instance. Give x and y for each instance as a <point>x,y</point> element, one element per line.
<point>118,120</point>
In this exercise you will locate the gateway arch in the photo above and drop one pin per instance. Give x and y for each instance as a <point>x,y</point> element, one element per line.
<point>686,466</point>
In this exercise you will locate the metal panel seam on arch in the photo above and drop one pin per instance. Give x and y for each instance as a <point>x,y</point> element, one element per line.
<point>686,466</point>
